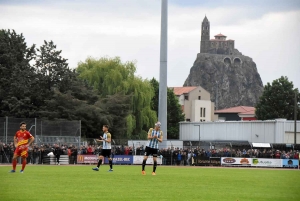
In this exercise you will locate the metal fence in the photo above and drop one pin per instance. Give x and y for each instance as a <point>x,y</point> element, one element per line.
<point>45,131</point>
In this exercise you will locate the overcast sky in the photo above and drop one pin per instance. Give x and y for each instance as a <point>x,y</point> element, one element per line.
<point>266,30</point>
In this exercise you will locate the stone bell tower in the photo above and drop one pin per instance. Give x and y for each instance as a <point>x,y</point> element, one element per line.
<point>205,36</point>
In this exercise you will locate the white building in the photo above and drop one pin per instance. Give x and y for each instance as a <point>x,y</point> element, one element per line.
<point>195,103</point>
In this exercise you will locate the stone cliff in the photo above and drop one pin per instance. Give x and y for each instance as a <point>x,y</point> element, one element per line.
<point>234,78</point>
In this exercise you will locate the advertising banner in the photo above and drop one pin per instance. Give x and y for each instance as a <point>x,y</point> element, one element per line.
<point>139,160</point>
<point>121,159</point>
<point>207,161</point>
<point>215,161</point>
<point>290,163</point>
<point>266,162</point>
<point>117,159</point>
<point>236,161</point>
<point>87,159</point>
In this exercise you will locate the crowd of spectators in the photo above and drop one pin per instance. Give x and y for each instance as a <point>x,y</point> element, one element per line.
<point>170,156</point>
<point>36,153</point>
<point>184,156</point>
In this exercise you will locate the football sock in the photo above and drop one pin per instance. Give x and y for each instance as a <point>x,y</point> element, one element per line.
<point>99,163</point>
<point>144,163</point>
<point>14,164</point>
<point>23,163</point>
<point>110,164</point>
<point>154,166</point>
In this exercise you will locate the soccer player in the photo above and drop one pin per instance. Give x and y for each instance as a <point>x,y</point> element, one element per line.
<point>106,148</point>
<point>155,136</point>
<point>22,141</point>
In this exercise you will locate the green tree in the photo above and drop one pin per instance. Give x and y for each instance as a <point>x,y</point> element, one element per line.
<point>53,76</point>
<point>16,75</point>
<point>174,114</point>
<point>277,100</point>
<point>53,67</point>
<point>64,96</point>
<point>110,76</point>
<point>117,108</point>
<point>49,89</point>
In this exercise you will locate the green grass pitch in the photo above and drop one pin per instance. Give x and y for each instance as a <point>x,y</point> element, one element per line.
<point>42,182</point>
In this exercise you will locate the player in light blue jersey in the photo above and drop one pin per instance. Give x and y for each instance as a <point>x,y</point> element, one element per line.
<point>155,136</point>
<point>106,149</point>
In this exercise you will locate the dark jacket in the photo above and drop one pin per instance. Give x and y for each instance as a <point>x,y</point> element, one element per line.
<point>57,151</point>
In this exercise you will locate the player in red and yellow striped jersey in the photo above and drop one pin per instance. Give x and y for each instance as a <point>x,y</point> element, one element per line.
<point>22,141</point>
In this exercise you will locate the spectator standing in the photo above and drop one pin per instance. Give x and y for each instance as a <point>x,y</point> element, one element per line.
<point>57,153</point>
<point>1,151</point>
<point>74,154</point>
<point>90,150</point>
<point>179,157</point>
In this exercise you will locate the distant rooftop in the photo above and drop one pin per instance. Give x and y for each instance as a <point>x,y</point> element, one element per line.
<point>220,35</point>
<point>238,109</point>
<point>182,90</point>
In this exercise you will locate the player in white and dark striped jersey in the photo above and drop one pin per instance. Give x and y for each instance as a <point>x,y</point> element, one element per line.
<point>106,148</point>
<point>155,136</point>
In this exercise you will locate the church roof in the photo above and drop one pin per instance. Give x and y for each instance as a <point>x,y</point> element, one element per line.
<point>219,40</point>
<point>220,35</point>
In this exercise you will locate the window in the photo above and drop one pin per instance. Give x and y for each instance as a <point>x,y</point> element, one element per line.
<point>199,97</point>
<point>203,112</point>
<point>186,97</point>
<point>200,111</point>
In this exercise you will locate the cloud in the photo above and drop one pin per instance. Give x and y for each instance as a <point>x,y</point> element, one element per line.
<point>131,30</point>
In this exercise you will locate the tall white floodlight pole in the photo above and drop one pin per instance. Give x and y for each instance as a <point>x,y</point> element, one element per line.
<point>162,104</point>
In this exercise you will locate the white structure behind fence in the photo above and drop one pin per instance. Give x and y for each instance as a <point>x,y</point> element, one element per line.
<point>275,131</point>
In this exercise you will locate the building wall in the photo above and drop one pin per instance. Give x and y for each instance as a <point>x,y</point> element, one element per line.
<point>212,110</point>
<point>277,131</point>
<point>181,99</point>
<point>289,137</point>
<point>229,116</point>
<point>193,95</point>
<point>248,119</point>
<point>197,105</point>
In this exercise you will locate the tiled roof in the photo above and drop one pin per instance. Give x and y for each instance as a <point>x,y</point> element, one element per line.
<point>249,112</point>
<point>239,110</point>
<point>182,90</point>
<point>219,40</point>
<point>220,35</point>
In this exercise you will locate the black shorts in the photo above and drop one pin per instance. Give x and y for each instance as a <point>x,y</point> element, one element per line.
<point>105,153</point>
<point>151,151</point>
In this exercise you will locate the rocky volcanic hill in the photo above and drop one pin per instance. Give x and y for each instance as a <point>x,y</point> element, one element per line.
<point>234,78</point>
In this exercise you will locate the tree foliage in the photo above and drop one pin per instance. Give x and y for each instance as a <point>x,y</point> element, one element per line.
<point>16,74</point>
<point>277,100</point>
<point>174,114</point>
<point>37,82</point>
<point>110,76</point>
